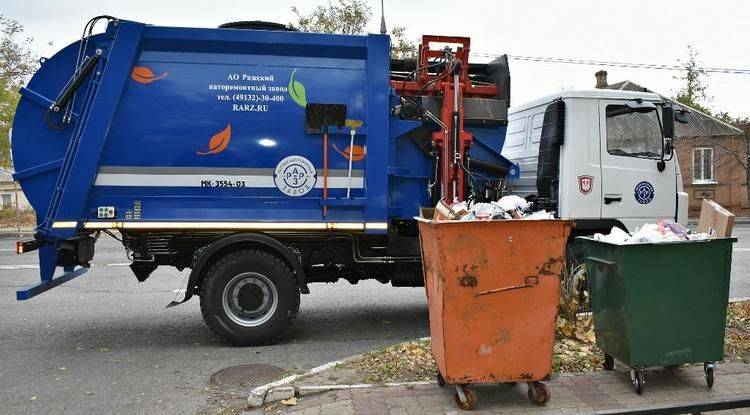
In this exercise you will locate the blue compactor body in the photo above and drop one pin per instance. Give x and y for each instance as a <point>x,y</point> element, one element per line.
<point>263,160</point>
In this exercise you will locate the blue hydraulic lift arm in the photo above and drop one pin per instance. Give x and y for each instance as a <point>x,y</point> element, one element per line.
<point>81,162</point>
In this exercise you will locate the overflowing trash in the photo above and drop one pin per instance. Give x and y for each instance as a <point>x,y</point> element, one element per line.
<point>666,230</point>
<point>508,207</point>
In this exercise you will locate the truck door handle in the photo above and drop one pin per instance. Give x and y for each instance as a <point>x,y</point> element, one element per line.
<point>610,199</point>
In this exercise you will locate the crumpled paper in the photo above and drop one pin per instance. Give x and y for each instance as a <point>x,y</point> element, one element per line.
<point>666,230</point>
<point>508,207</point>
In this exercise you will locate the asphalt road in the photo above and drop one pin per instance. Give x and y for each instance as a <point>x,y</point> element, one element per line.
<point>104,343</point>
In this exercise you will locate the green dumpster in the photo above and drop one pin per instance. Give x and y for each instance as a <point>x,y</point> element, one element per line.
<point>659,304</point>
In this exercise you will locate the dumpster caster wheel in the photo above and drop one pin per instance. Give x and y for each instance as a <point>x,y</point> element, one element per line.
<point>708,369</point>
<point>465,398</point>
<point>609,362</point>
<point>440,380</point>
<point>538,393</point>
<point>638,381</point>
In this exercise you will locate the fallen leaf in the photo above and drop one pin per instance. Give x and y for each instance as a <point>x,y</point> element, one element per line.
<point>566,329</point>
<point>290,402</point>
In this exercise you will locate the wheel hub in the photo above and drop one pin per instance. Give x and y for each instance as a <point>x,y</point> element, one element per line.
<point>250,299</point>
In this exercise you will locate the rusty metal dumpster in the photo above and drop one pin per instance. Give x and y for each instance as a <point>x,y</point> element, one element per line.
<point>493,290</point>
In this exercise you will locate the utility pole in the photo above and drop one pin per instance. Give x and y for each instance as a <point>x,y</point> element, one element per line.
<point>382,19</point>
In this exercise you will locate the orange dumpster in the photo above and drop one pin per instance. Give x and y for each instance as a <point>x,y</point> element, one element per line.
<point>493,290</point>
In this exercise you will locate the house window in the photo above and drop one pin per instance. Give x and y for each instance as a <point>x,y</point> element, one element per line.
<point>703,165</point>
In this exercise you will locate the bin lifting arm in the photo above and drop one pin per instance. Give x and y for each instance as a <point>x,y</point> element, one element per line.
<point>452,84</point>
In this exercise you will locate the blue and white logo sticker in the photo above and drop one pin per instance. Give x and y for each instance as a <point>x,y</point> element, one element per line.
<point>295,176</point>
<point>644,193</point>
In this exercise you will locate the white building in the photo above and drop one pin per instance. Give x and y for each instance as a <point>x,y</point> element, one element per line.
<point>10,192</point>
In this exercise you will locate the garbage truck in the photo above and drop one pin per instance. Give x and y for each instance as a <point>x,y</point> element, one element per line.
<point>261,158</point>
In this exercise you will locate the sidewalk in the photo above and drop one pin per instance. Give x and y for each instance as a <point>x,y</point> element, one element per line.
<point>570,394</point>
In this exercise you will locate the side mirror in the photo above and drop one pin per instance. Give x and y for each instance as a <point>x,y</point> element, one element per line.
<point>667,120</point>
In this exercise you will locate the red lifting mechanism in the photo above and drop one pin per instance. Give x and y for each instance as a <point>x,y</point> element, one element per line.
<point>452,83</point>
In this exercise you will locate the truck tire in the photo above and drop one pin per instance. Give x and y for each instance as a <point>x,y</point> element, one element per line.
<point>249,298</point>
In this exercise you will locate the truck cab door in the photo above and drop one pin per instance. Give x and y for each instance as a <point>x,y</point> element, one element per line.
<point>634,191</point>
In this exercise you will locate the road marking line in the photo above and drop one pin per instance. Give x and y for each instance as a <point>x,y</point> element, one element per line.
<point>119,264</point>
<point>741,249</point>
<point>19,266</point>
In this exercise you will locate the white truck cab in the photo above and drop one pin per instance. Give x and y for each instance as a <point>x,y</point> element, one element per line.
<point>599,157</point>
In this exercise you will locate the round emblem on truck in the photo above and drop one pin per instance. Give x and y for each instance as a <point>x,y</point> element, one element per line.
<point>644,192</point>
<point>295,176</point>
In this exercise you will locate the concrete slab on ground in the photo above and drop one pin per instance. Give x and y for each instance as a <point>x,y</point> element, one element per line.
<point>582,393</point>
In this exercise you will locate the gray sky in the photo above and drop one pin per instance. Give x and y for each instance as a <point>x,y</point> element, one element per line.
<point>634,31</point>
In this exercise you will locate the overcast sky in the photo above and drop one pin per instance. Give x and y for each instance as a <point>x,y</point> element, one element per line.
<point>634,31</point>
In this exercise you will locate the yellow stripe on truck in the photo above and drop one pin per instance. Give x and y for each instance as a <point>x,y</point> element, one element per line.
<point>271,226</point>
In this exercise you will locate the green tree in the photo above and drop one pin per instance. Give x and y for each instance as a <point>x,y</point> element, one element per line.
<point>347,17</point>
<point>17,64</point>
<point>694,91</point>
<point>350,17</point>
<point>401,46</point>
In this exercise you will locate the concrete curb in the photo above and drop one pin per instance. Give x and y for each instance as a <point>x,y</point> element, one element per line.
<point>276,391</point>
<point>12,233</point>
<point>285,392</point>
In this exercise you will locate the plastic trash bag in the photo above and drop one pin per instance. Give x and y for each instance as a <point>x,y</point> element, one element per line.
<point>513,202</point>
<point>615,236</point>
<point>674,227</point>
<point>666,230</point>
<point>652,233</point>
<point>542,214</point>
<point>508,207</point>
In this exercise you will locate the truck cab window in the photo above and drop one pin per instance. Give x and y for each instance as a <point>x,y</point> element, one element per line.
<point>633,134</point>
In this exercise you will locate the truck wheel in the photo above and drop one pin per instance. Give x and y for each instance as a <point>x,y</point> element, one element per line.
<point>249,298</point>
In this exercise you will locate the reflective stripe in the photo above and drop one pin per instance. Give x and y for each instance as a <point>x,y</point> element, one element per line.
<point>376,225</point>
<point>193,180</point>
<point>350,226</point>
<point>195,176</point>
<point>65,224</point>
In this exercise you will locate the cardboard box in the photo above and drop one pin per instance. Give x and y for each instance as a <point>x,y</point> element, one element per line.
<point>715,220</point>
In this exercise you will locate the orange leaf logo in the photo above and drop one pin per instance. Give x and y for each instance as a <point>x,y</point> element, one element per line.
<point>358,153</point>
<point>218,142</point>
<point>144,75</point>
